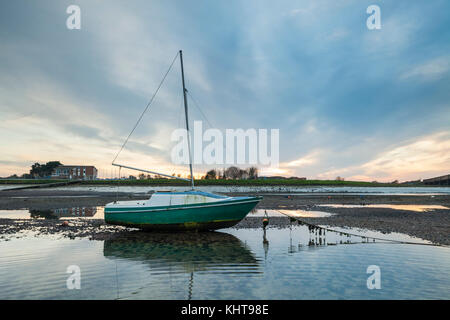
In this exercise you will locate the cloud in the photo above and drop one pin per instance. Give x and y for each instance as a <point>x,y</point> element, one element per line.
<point>397,30</point>
<point>338,34</point>
<point>138,49</point>
<point>274,172</point>
<point>311,69</point>
<point>309,159</point>
<point>428,155</point>
<point>138,147</point>
<point>84,131</point>
<point>293,167</point>
<point>431,70</point>
<point>422,158</point>
<point>15,163</point>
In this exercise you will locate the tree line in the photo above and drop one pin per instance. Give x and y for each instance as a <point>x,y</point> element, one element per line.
<point>232,173</point>
<point>39,170</point>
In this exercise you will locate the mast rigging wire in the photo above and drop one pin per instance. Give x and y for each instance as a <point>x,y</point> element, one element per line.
<point>146,108</point>
<point>225,147</point>
<point>198,108</point>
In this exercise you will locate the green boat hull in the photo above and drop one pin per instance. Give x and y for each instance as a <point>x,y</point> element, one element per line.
<point>184,217</point>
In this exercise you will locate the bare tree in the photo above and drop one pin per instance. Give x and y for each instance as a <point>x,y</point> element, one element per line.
<point>243,174</point>
<point>211,174</point>
<point>252,173</point>
<point>233,172</point>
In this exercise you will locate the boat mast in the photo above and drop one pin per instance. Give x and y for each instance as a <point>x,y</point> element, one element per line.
<point>187,120</point>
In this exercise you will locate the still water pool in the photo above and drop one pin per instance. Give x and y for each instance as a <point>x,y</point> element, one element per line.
<point>231,264</point>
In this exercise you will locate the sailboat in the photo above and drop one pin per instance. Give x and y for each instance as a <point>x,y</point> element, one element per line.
<point>188,210</point>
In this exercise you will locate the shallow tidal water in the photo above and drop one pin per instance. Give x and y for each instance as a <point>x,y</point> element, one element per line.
<point>98,213</point>
<point>275,190</point>
<point>407,207</point>
<point>229,264</point>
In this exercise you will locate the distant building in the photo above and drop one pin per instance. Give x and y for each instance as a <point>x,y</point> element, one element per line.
<point>442,180</point>
<point>75,172</point>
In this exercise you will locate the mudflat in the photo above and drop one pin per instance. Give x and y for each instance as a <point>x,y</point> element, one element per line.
<point>432,225</point>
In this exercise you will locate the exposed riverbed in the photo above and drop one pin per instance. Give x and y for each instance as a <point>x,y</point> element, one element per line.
<point>383,212</point>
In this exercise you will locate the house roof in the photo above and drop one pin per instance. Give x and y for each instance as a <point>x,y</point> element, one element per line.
<point>74,166</point>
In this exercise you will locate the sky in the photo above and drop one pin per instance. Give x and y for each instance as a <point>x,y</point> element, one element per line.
<point>348,101</point>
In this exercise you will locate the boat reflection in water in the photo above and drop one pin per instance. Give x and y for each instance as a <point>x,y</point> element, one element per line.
<point>168,255</point>
<point>75,212</point>
<point>195,251</point>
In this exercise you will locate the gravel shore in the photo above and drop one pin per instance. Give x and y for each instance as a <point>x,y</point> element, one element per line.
<point>429,225</point>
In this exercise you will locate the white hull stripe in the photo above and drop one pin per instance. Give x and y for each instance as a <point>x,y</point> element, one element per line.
<point>128,210</point>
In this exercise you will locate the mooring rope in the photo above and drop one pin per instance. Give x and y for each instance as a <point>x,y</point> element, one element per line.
<point>358,235</point>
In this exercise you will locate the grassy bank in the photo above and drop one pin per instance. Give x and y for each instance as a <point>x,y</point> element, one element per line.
<point>218,182</point>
